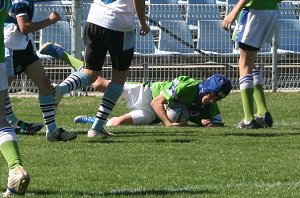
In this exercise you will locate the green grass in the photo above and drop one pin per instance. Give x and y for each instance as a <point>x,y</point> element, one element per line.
<point>155,161</point>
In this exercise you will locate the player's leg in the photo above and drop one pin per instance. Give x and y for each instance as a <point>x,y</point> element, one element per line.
<point>125,119</point>
<point>59,52</point>
<point>262,117</point>
<point>20,126</point>
<point>135,117</point>
<point>109,100</point>
<point>18,179</point>
<point>246,64</point>
<point>37,74</point>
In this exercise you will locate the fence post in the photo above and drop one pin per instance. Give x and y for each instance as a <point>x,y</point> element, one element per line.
<point>76,19</point>
<point>274,64</point>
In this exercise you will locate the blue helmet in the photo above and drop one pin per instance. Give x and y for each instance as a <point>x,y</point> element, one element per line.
<point>218,84</point>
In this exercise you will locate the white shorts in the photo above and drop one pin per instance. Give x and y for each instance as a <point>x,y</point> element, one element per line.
<point>9,62</point>
<point>256,27</point>
<point>3,77</point>
<point>139,99</point>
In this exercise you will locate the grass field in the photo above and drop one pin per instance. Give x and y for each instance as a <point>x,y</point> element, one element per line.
<point>155,161</point>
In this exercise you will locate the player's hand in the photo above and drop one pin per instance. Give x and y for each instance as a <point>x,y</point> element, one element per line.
<point>145,29</point>
<point>174,124</point>
<point>54,17</point>
<point>227,22</point>
<point>206,123</point>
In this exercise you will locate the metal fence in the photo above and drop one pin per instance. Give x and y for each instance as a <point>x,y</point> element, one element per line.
<point>186,39</point>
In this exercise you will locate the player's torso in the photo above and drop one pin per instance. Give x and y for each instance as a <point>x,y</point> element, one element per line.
<point>113,14</point>
<point>182,89</point>
<point>262,4</point>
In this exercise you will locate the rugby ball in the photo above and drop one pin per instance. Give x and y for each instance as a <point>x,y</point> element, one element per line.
<point>178,113</point>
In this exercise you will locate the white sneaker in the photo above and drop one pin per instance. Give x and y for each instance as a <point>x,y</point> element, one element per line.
<point>57,96</point>
<point>18,181</point>
<point>102,134</point>
<point>109,122</point>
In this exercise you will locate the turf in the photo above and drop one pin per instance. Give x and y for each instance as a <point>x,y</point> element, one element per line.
<point>155,161</point>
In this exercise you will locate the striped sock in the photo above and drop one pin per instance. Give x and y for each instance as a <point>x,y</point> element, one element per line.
<point>109,100</point>
<point>47,107</point>
<point>75,81</point>
<point>10,115</point>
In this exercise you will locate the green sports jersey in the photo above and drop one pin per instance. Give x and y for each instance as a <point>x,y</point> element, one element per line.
<point>182,89</point>
<point>3,12</point>
<point>185,90</point>
<point>262,4</point>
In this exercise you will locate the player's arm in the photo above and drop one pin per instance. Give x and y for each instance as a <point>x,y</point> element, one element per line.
<point>27,26</point>
<point>215,116</point>
<point>140,12</point>
<point>229,19</point>
<point>158,105</point>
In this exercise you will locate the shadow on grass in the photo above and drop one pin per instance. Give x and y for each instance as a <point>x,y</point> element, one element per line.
<point>255,134</point>
<point>139,193</point>
<point>114,140</point>
<point>145,133</point>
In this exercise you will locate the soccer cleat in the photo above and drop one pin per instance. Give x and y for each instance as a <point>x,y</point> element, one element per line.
<point>59,134</point>
<point>53,50</point>
<point>248,125</point>
<point>57,96</point>
<point>84,119</point>
<point>18,181</point>
<point>25,128</point>
<point>102,134</point>
<point>265,121</point>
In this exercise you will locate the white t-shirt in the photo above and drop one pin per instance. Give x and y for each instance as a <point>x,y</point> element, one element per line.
<point>116,15</point>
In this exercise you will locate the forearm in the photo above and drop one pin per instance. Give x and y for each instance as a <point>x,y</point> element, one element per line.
<point>34,26</point>
<point>158,105</point>
<point>140,11</point>
<point>239,6</point>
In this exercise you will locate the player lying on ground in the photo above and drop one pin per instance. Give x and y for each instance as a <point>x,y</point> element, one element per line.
<point>199,97</point>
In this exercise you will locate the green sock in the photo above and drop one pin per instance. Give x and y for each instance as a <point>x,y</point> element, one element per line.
<point>71,60</point>
<point>260,99</point>
<point>247,100</point>
<point>11,153</point>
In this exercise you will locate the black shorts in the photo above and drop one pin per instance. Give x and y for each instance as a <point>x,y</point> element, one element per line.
<point>248,47</point>
<point>98,41</point>
<point>22,58</point>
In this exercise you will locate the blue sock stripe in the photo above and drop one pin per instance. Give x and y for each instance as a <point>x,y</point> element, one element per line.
<point>104,113</point>
<point>246,78</point>
<point>105,106</point>
<point>7,129</point>
<point>8,107</point>
<point>109,102</point>
<point>255,72</point>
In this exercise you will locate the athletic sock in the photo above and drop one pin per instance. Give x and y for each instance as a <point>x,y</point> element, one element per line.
<point>10,115</point>
<point>259,95</point>
<point>71,60</point>
<point>9,147</point>
<point>47,107</point>
<point>75,81</point>
<point>109,100</point>
<point>246,88</point>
